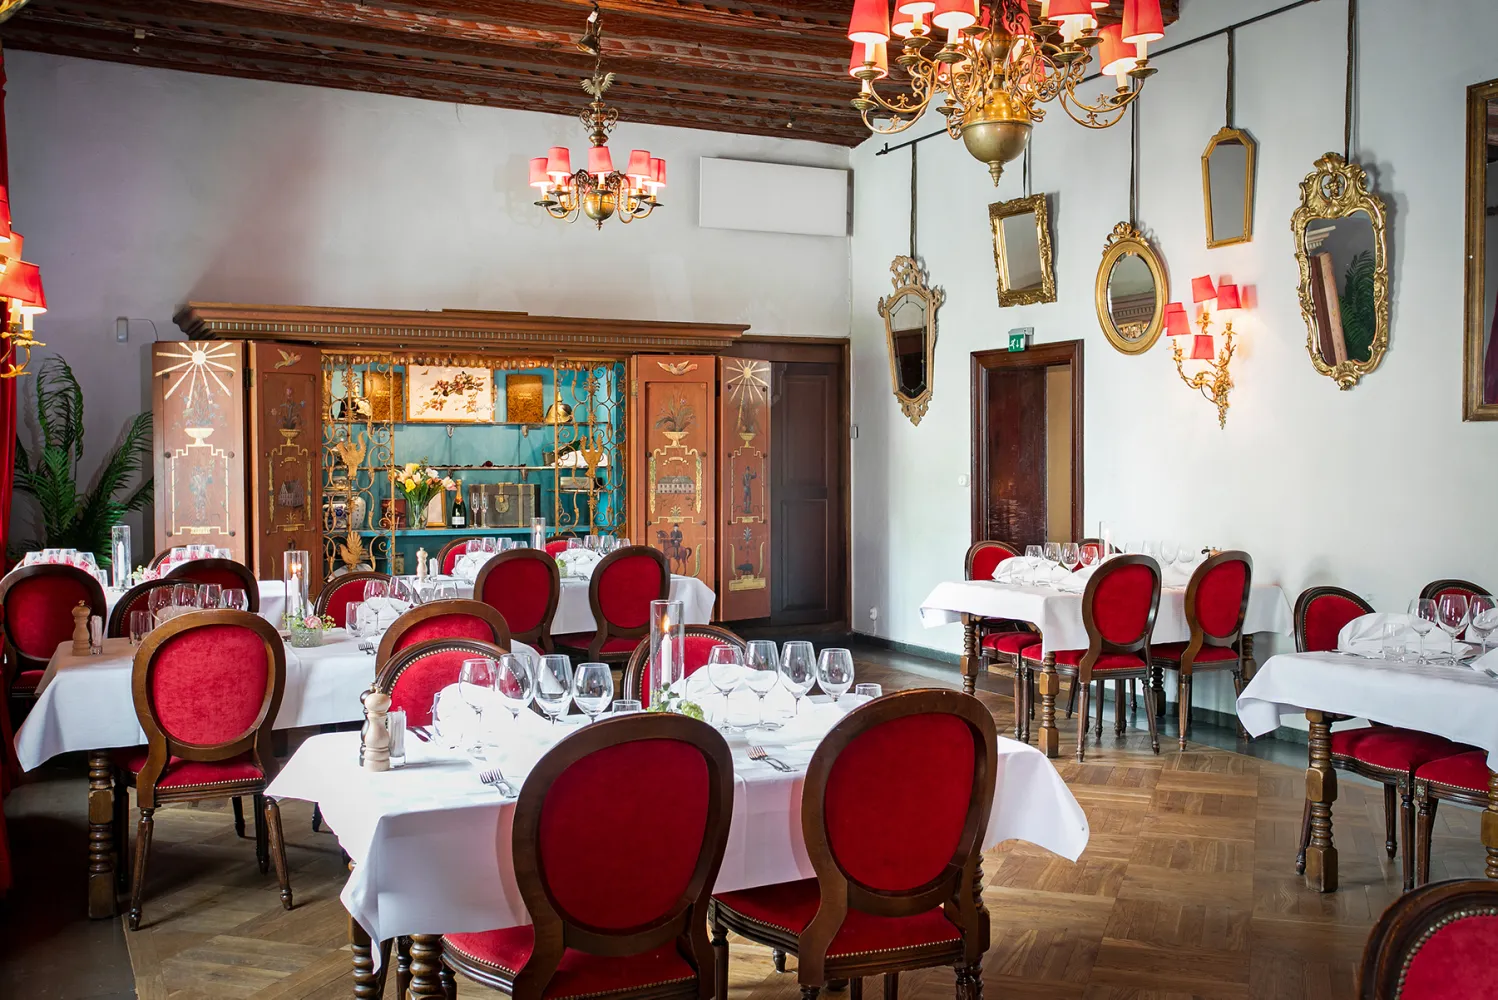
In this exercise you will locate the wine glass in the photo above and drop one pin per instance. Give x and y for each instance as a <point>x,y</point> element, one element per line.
<point>351,618</point>
<point>554,685</point>
<point>1052,552</point>
<point>1422,619</point>
<point>446,590</point>
<point>1484,611</point>
<point>835,671</point>
<point>1035,554</point>
<point>475,676</point>
<point>1092,554</point>
<point>1071,556</point>
<point>159,599</point>
<point>235,599</point>
<point>763,661</point>
<point>445,727</point>
<point>514,682</point>
<point>798,670</point>
<point>1169,553</point>
<point>1452,614</point>
<point>725,670</point>
<point>185,595</point>
<point>376,588</point>
<point>593,688</point>
<point>209,595</point>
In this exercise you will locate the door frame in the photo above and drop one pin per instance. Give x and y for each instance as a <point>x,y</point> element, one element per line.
<point>1039,356</point>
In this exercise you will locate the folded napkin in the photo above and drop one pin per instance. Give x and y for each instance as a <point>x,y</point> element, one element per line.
<point>379,613</point>
<point>468,565</point>
<point>515,743</point>
<point>1074,583</point>
<point>1026,571</point>
<point>578,563</point>
<point>1177,574</point>
<point>1365,635</point>
<point>812,723</point>
<point>699,686</point>
<point>1487,663</point>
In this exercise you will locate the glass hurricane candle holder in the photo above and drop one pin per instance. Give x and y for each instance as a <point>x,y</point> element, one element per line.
<point>119,555</point>
<point>667,649</point>
<point>294,566</point>
<point>538,533</point>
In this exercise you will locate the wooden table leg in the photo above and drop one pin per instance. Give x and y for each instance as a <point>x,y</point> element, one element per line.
<point>1490,825</point>
<point>970,661</point>
<point>1049,685</point>
<point>1321,792</point>
<point>101,836</point>
<point>426,966</point>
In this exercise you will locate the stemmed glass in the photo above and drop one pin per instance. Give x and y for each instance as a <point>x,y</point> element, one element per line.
<point>592,688</point>
<point>798,670</point>
<point>763,661</point>
<point>514,682</point>
<point>1035,554</point>
<point>724,670</point>
<point>1052,552</point>
<point>1452,614</point>
<point>476,676</point>
<point>376,588</point>
<point>185,595</point>
<point>554,685</point>
<point>1484,611</point>
<point>1091,554</point>
<point>835,671</point>
<point>1170,552</point>
<point>1422,619</point>
<point>1071,556</point>
<point>159,600</point>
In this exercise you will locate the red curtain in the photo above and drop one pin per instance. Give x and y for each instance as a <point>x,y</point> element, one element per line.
<point>8,769</point>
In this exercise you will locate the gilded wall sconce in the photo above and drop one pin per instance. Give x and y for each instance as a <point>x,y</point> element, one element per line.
<point>1214,382</point>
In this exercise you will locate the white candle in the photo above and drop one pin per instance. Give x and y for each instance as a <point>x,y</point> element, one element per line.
<point>666,675</point>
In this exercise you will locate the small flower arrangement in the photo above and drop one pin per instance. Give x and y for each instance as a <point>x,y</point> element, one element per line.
<point>306,632</point>
<point>673,701</point>
<point>421,483</point>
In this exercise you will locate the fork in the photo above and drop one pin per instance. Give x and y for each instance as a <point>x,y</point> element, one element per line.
<point>496,778</point>
<point>758,753</point>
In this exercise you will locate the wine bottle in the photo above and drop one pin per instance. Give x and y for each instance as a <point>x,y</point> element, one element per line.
<point>459,518</point>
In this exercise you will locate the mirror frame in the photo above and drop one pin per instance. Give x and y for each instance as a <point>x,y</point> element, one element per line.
<point>1039,205</point>
<point>1225,135</point>
<point>1337,189</point>
<point>1473,407</point>
<point>909,276</point>
<point>1125,240</point>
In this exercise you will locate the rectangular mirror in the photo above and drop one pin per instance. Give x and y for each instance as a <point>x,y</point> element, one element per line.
<point>1480,379</point>
<point>1228,187</point>
<point>1022,250</point>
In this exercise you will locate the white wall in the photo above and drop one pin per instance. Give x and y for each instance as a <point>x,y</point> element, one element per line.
<point>138,189</point>
<point>1380,488</point>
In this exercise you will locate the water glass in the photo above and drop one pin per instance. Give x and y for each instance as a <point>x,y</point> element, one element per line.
<point>627,706</point>
<point>870,691</point>
<point>798,670</point>
<point>185,595</point>
<point>1452,615</point>
<point>1393,642</point>
<point>140,623</point>
<point>763,661</point>
<point>1484,618</point>
<point>835,671</point>
<point>444,727</point>
<point>592,688</point>
<point>554,685</point>
<point>351,618</point>
<point>209,595</point>
<point>725,668</point>
<point>396,720</point>
<point>235,599</point>
<point>1071,556</point>
<point>1422,613</point>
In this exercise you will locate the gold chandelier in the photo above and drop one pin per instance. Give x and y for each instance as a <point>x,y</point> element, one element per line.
<point>998,65</point>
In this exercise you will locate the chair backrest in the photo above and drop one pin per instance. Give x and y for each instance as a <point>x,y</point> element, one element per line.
<point>662,785</point>
<point>207,686</point>
<point>165,554</point>
<point>1320,613</point>
<point>137,597</point>
<point>1434,943</point>
<point>984,557</point>
<point>1217,599</point>
<point>449,554</point>
<point>524,586</point>
<point>457,618</point>
<point>624,583</point>
<point>1437,588</point>
<point>698,642</point>
<point>225,572</point>
<point>556,547</point>
<point>415,674</point>
<point>1119,606</point>
<point>938,748</point>
<point>38,604</point>
<point>341,591</point>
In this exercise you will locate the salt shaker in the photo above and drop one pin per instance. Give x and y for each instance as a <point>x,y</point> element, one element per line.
<point>96,635</point>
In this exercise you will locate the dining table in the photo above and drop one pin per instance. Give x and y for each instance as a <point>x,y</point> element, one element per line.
<point>86,702</point>
<point>574,613</point>
<point>1057,614</point>
<point>1456,701</point>
<point>430,848</point>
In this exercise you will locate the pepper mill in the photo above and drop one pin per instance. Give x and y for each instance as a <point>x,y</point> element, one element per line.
<point>374,744</point>
<point>81,644</point>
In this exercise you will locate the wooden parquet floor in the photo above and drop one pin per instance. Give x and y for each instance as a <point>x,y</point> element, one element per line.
<point>1187,889</point>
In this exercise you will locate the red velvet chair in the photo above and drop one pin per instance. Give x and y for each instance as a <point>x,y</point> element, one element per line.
<point>1436,588</point>
<point>449,554</point>
<point>207,688</point>
<point>38,604</point>
<point>457,618</point>
<point>524,585</point>
<point>556,547</point>
<point>698,642</point>
<point>1000,639</point>
<point>225,572</point>
<point>416,673</point>
<point>624,583</point>
<point>1436,943</point>
<point>1463,778</point>
<point>1216,603</point>
<point>1118,610</point>
<point>895,888</point>
<point>1386,754</point>
<point>137,598</point>
<point>633,923</point>
<point>341,591</point>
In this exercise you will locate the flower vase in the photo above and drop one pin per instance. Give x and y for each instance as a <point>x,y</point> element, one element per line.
<point>306,638</point>
<point>416,515</point>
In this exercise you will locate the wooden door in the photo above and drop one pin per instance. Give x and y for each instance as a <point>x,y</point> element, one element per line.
<point>673,446</point>
<point>809,568</point>
<point>201,444</point>
<point>746,539</point>
<point>286,467</point>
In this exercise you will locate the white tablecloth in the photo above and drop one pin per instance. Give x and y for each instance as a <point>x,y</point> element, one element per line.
<point>432,845</point>
<point>85,702</point>
<point>574,615</point>
<point>272,600</point>
<point>1058,615</point>
<point>1458,703</point>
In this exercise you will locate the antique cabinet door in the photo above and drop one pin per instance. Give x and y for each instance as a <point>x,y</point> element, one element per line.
<point>201,443</point>
<point>744,433</point>
<point>286,468</point>
<point>673,445</point>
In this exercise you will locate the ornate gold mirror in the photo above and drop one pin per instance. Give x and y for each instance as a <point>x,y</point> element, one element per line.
<point>1342,247</point>
<point>910,322</point>
<point>1022,250</point>
<point>1480,378</point>
<point>1228,187</point>
<point>1131,291</point>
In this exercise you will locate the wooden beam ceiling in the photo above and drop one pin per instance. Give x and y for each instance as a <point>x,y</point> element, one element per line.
<point>758,67</point>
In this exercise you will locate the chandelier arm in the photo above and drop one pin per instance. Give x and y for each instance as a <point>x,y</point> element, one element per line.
<point>1100,116</point>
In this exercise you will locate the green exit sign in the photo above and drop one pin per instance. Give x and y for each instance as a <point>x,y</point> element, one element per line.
<point>1020,339</point>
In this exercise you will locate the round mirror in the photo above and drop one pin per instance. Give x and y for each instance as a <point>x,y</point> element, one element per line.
<point>1131,291</point>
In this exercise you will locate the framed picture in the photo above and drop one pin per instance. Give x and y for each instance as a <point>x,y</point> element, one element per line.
<point>449,395</point>
<point>386,392</point>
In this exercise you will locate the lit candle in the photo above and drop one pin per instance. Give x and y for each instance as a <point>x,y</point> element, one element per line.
<point>667,674</point>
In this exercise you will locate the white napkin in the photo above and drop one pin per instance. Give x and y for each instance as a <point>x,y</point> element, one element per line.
<point>515,743</point>
<point>812,723</point>
<point>1025,570</point>
<point>1177,574</point>
<point>379,613</point>
<point>468,565</point>
<point>578,562</point>
<point>1365,635</point>
<point>1487,663</point>
<point>1074,583</point>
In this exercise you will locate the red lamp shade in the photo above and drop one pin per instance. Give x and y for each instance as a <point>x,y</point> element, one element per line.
<point>880,55</point>
<point>870,22</point>
<point>1142,21</point>
<point>539,177</point>
<point>955,14</point>
<point>1202,348</point>
<point>600,161</point>
<point>915,7</point>
<point>658,172</point>
<point>1176,322</point>
<point>5,219</point>
<point>23,282</point>
<point>639,165</point>
<point>1116,56</point>
<point>1060,10</point>
<point>903,25</point>
<point>559,162</point>
<point>1202,290</point>
<point>1227,296</point>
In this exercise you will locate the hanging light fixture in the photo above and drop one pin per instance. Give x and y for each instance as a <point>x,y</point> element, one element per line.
<point>997,67</point>
<point>599,192</point>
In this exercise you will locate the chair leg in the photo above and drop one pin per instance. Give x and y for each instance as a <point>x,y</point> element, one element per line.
<point>1426,829</point>
<point>1157,681</point>
<point>1102,690</point>
<point>1029,700</point>
<point>262,845</point>
<point>1185,707</point>
<point>1305,838</point>
<point>1071,702</point>
<point>402,967</point>
<point>1407,819</point>
<point>970,983</point>
<point>855,989</point>
<point>278,849</point>
<point>1133,697</point>
<point>809,992</point>
<point>316,818</point>
<point>238,816</point>
<point>138,876</point>
<point>891,986</point>
<point>1149,716</point>
<point>720,960</point>
<point>449,983</point>
<point>1390,820</point>
<point>778,957</point>
<point>1118,707</point>
<point>1086,690</point>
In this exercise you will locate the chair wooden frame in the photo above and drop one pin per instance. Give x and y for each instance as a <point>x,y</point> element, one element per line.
<point>686,924</point>
<point>605,629</point>
<point>1200,638</point>
<point>1407,924</point>
<point>17,661</point>
<point>1427,795</point>
<point>454,543</point>
<point>634,671</point>
<point>335,583</point>
<point>1434,587</point>
<point>540,636</point>
<point>161,747</point>
<point>957,890</point>
<point>1097,646</point>
<point>437,609</point>
<point>118,624</point>
<point>390,670</point>
<point>185,573</point>
<point>989,626</point>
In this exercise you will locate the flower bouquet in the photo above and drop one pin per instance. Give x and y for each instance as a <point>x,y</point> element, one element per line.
<point>421,483</point>
<point>306,633</point>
